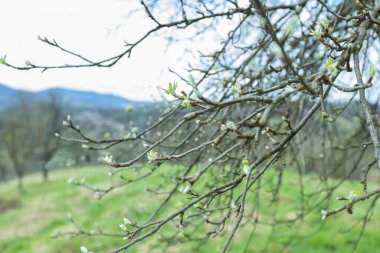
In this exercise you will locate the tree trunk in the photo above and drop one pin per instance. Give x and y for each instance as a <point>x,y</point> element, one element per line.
<point>20,184</point>
<point>45,172</point>
<point>3,174</point>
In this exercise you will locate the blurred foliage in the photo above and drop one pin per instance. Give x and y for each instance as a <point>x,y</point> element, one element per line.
<point>28,224</point>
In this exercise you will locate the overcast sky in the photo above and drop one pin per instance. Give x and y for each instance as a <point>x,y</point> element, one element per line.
<point>94,28</point>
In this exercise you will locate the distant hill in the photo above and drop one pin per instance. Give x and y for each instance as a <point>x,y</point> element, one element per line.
<point>69,98</point>
<point>6,95</point>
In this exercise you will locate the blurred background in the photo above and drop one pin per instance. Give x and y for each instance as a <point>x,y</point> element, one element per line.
<point>42,206</point>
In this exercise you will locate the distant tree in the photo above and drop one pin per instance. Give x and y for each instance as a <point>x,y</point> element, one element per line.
<point>17,139</point>
<point>3,167</point>
<point>49,114</point>
<point>277,90</point>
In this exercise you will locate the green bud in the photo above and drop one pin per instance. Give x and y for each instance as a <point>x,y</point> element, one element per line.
<point>3,59</point>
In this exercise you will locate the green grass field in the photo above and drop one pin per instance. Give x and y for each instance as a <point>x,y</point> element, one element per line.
<point>28,221</point>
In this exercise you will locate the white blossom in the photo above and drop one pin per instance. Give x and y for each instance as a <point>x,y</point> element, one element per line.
<point>231,125</point>
<point>83,249</point>
<point>127,136</point>
<point>123,227</point>
<point>98,195</point>
<point>65,123</point>
<point>108,159</point>
<point>228,126</point>
<point>246,167</point>
<point>152,156</point>
<point>184,189</point>
<point>324,214</point>
<point>126,221</point>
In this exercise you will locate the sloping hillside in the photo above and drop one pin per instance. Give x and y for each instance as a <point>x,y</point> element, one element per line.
<point>27,222</point>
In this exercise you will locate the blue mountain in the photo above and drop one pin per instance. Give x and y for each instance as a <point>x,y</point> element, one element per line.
<point>69,98</point>
<point>7,95</point>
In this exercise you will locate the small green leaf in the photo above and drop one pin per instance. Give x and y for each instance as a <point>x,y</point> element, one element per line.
<point>371,71</point>
<point>291,25</point>
<point>192,81</point>
<point>28,63</point>
<point>235,90</point>
<point>329,63</point>
<point>245,162</point>
<point>324,23</point>
<point>353,195</point>
<point>3,59</point>
<point>186,102</point>
<point>171,88</point>
<point>197,93</point>
<point>331,67</point>
<point>127,136</point>
<point>128,108</point>
<point>316,33</point>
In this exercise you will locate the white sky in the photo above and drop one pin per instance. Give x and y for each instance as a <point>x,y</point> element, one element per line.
<point>94,28</point>
<point>97,30</point>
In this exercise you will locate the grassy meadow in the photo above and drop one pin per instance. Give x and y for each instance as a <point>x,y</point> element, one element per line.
<point>28,221</point>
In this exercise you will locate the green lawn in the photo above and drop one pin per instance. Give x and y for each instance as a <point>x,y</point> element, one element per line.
<point>28,221</point>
